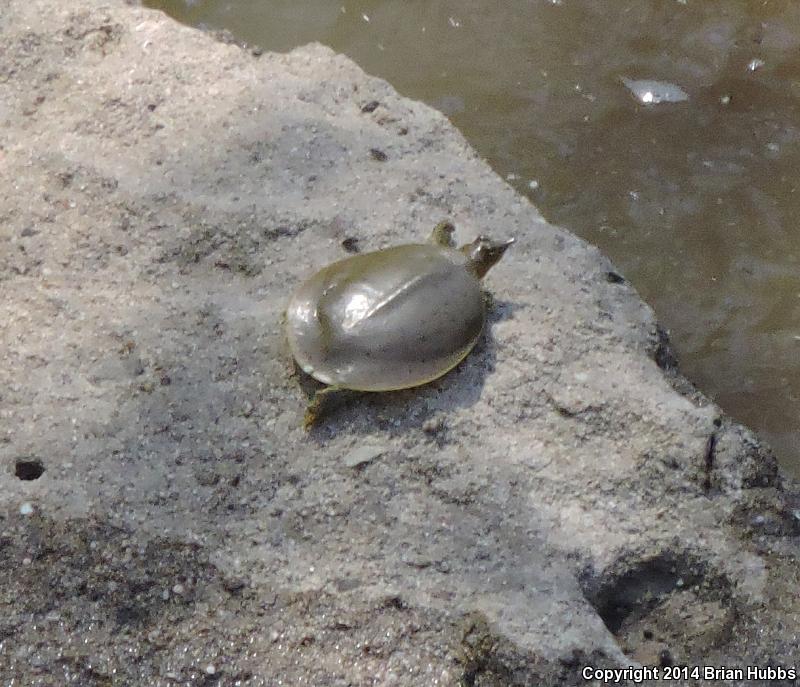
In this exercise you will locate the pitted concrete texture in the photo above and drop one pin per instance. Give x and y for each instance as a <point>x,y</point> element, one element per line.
<point>559,500</point>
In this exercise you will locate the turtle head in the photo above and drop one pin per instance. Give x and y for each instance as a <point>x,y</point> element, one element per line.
<point>483,253</point>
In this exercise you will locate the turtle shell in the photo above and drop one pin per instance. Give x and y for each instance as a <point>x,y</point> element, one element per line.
<point>391,319</point>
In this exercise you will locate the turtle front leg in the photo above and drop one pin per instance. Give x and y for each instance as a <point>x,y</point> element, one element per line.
<point>442,234</point>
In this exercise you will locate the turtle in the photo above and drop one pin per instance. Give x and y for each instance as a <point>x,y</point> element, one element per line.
<point>390,319</point>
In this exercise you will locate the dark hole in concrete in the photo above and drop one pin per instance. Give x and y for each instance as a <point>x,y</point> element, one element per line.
<point>28,468</point>
<point>636,591</point>
<point>631,593</point>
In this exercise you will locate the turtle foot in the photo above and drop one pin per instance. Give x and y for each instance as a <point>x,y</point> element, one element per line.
<point>442,234</point>
<point>322,403</point>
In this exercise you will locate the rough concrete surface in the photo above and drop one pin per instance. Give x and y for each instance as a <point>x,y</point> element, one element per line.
<point>563,498</point>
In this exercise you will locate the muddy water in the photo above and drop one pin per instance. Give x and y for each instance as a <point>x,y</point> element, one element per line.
<point>696,201</point>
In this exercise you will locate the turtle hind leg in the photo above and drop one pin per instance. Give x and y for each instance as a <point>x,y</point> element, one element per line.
<point>323,402</point>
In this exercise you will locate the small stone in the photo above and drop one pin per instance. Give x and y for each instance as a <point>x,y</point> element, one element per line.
<point>350,244</point>
<point>378,154</point>
<point>371,106</point>
<point>233,584</point>
<point>433,425</point>
<point>178,589</point>
<point>206,477</point>
<point>363,455</point>
<point>442,567</point>
<point>211,669</point>
<point>26,508</point>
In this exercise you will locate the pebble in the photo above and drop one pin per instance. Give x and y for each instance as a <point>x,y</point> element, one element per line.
<point>433,425</point>
<point>26,508</point>
<point>378,154</point>
<point>363,455</point>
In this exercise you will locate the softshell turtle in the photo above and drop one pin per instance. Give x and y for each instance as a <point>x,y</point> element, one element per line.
<point>391,319</point>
